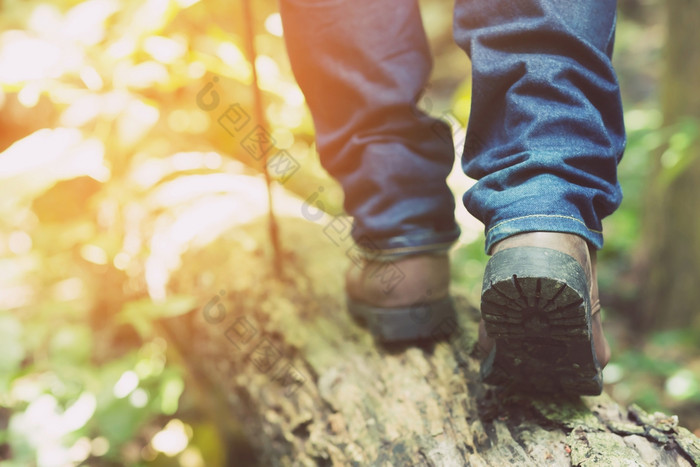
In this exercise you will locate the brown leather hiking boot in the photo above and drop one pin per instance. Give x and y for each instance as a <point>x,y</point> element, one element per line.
<point>541,325</point>
<point>402,298</point>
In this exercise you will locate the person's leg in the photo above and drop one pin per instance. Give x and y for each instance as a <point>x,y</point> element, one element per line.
<point>544,139</point>
<point>362,65</point>
<point>546,131</point>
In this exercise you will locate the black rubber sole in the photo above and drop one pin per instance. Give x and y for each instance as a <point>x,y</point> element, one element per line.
<point>536,305</point>
<point>432,320</point>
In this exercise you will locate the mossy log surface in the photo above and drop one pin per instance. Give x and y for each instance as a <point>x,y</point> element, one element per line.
<point>308,386</point>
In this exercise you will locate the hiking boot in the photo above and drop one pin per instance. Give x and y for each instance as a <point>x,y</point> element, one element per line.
<point>541,325</point>
<point>402,298</point>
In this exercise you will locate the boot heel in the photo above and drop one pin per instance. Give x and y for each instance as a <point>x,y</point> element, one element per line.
<point>433,320</point>
<point>535,303</point>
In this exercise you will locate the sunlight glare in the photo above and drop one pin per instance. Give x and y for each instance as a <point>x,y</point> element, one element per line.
<point>149,172</point>
<point>141,76</point>
<point>126,383</point>
<point>114,103</point>
<point>613,373</point>
<point>234,58</point>
<point>192,121</point>
<point>122,48</point>
<point>138,398</point>
<point>45,20</point>
<point>39,421</point>
<point>273,24</point>
<point>151,16</point>
<point>293,95</point>
<point>37,161</point>
<point>84,23</point>
<point>78,414</point>
<point>93,254</point>
<point>164,49</point>
<point>196,70</point>
<point>640,119</point>
<point>191,457</point>
<point>82,110</point>
<point>670,158</point>
<point>285,116</point>
<point>212,160</point>
<point>121,260</point>
<point>206,206</point>
<point>91,78</point>
<point>19,242</point>
<point>186,3</point>
<point>29,95</point>
<point>100,446</point>
<point>682,385</point>
<point>43,426</point>
<point>26,388</point>
<point>137,119</point>
<point>16,46</point>
<point>80,450</point>
<point>187,160</point>
<point>179,120</point>
<point>172,439</point>
<point>268,71</point>
<point>68,289</point>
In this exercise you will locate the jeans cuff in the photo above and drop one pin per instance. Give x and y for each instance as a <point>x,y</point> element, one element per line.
<point>542,223</point>
<point>406,245</point>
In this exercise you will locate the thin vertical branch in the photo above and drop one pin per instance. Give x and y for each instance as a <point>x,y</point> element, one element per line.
<point>259,116</point>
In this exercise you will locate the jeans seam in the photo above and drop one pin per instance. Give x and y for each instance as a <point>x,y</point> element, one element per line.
<point>545,215</point>
<point>411,249</point>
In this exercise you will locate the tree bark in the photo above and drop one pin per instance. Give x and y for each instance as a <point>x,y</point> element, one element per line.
<point>308,386</point>
<point>672,223</point>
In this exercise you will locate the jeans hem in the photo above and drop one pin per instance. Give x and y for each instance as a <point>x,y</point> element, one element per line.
<point>406,245</point>
<point>542,223</point>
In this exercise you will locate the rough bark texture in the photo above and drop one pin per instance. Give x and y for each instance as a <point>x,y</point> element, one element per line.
<point>308,386</point>
<point>673,224</point>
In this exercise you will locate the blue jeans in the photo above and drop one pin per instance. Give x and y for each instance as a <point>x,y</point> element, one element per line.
<point>545,133</point>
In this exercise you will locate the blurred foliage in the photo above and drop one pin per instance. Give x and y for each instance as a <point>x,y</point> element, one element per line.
<point>114,159</point>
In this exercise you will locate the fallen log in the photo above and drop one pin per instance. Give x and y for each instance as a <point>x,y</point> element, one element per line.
<point>278,355</point>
